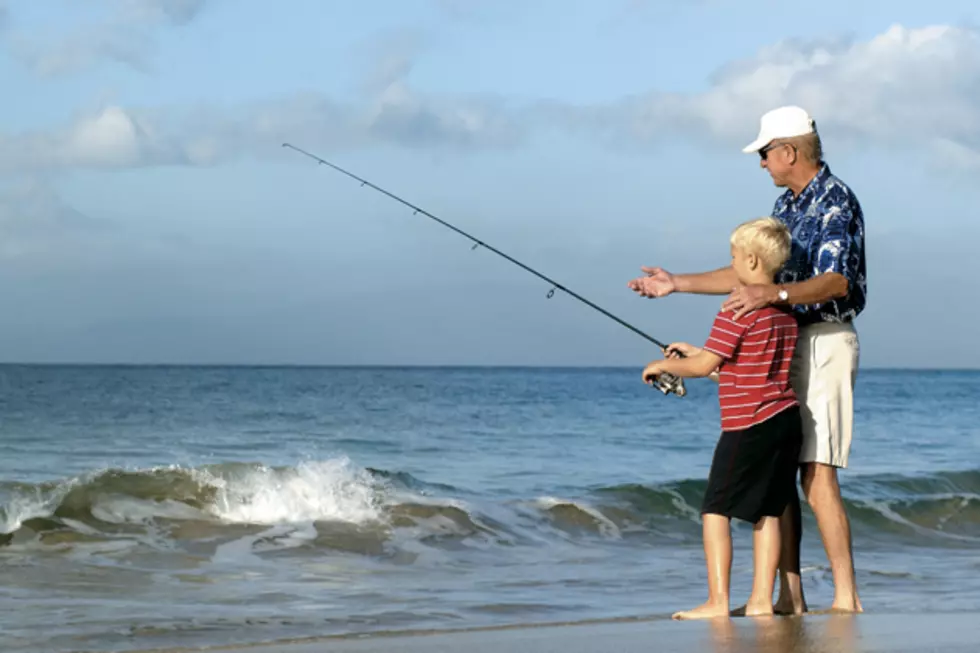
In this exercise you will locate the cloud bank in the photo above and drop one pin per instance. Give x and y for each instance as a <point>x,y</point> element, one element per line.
<point>905,87</point>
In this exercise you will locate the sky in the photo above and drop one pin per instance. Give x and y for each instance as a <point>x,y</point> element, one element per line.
<point>149,213</point>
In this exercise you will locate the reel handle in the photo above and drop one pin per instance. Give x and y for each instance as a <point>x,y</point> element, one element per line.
<point>668,383</point>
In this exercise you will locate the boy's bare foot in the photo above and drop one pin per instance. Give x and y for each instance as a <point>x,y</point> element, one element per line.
<point>763,609</point>
<point>846,607</point>
<point>706,611</point>
<point>781,607</point>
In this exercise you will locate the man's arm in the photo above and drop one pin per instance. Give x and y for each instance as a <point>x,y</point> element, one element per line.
<point>819,289</point>
<point>716,282</point>
<point>816,290</point>
<point>660,282</point>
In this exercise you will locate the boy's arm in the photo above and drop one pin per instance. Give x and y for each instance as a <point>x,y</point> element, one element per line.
<point>704,363</point>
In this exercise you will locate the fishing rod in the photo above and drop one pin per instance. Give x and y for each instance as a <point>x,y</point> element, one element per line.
<point>666,383</point>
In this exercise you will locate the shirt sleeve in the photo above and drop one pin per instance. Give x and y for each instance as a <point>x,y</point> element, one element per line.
<point>841,241</point>
<point>725,336</point>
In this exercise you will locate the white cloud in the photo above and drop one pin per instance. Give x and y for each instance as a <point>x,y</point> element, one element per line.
<point>906,86</point>
<point>116,137</point>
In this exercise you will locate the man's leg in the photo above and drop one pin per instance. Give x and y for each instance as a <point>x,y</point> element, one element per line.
<point>823,494</point>
<point>718,558</point>
<point>829,398</point>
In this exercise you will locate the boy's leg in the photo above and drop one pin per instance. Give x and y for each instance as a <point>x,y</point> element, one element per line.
<point>782,498</point>
<point>766,549</point>
<point>717,535</point>
<point>791,599</point>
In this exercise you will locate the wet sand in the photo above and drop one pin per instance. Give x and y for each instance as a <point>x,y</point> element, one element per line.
<point>815,633</point>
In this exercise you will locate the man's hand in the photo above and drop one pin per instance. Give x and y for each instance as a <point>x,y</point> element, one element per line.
<point>745,299</point>
<point>657,283</point>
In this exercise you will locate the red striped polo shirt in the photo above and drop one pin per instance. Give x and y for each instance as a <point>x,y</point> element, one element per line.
<point>754,374</point>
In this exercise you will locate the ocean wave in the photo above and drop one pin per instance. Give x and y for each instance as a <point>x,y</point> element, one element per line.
<point>333,504</point>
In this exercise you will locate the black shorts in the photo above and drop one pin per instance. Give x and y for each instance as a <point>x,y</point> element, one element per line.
<point>753,472</point>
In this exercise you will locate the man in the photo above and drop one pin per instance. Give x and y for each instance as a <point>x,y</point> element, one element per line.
<point>825,284</point>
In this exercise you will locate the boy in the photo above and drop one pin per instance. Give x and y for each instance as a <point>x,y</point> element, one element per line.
<point>753,472</point>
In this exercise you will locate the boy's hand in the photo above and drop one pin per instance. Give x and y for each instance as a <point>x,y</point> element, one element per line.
<point>652,371</point>
<point>678,349</point>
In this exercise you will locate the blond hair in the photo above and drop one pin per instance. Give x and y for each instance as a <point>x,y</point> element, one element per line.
<point>767,238</point>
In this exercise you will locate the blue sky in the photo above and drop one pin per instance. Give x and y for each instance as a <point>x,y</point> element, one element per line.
<point>148,212</point>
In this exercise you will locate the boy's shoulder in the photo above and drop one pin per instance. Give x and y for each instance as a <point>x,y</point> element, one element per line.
<point>767,314</point>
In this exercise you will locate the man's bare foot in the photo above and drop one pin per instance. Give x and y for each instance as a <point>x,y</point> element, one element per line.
<point>706,611</point>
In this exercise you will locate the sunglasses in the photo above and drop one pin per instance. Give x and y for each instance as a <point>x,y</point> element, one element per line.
<point>764,152</point>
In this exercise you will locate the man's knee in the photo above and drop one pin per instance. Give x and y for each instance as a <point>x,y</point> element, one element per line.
<point>819,481</point>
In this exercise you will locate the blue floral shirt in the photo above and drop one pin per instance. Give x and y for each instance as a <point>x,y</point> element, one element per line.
<point>828,236</point>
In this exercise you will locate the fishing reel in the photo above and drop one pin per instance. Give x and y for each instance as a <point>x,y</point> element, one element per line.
<point>668,383</point>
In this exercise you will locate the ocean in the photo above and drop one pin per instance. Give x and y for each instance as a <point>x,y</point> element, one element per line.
<point>163,507</point>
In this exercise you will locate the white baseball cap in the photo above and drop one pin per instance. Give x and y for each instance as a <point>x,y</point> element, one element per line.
<point>783,122</point>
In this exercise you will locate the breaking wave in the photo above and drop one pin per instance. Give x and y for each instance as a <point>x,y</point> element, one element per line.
<point>335,505</point>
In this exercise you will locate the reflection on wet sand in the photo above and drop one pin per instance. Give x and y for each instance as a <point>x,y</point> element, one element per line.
<point>834,633</point>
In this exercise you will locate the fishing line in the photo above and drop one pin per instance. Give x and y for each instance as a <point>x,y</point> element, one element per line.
<point>666,383</point>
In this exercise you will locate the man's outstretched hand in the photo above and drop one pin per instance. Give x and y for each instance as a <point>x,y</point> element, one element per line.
<point>657,283</point>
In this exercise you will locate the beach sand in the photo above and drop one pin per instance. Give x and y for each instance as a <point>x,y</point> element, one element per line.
<point>814,633</point>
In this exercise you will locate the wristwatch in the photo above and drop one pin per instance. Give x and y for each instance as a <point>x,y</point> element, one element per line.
<point>783,295</point>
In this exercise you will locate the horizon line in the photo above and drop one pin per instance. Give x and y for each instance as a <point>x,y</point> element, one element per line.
<point>421,366</point>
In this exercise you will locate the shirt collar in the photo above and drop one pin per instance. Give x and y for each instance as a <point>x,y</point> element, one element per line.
<point>819,179</point>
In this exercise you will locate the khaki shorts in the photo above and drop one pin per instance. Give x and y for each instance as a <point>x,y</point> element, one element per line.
<point>823,374</point>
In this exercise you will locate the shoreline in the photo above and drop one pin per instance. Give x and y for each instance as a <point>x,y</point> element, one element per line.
<point>816,632</point>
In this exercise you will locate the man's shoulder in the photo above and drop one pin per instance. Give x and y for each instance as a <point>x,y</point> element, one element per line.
<point>835,191</point>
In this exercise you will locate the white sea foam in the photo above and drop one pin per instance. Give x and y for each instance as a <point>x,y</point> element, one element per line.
<point>311,491</point>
